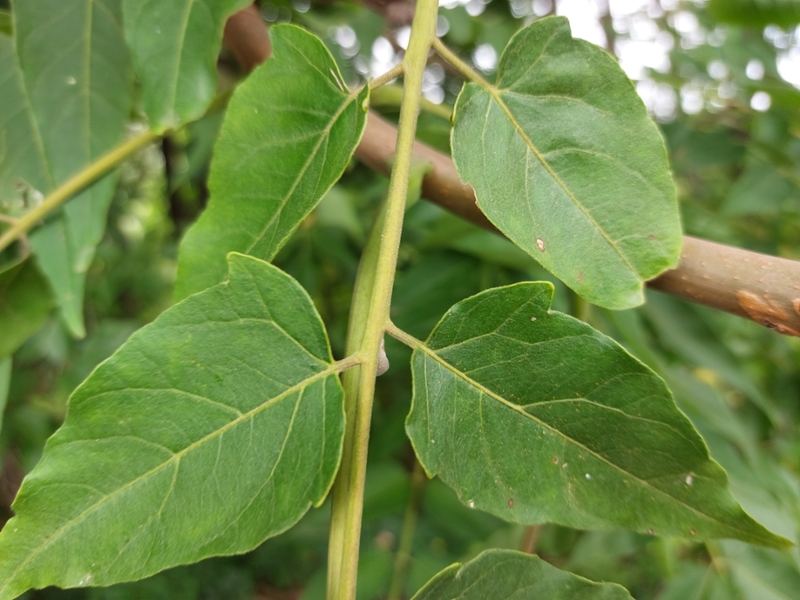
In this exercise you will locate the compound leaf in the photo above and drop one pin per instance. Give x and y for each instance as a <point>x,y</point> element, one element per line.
<point>534,416</point>
<point>66,84</point>
<point>212,428</point>
<point>175,47</point>
<point>565,161</point>
<point>506,575</point>
<point>289,132</point>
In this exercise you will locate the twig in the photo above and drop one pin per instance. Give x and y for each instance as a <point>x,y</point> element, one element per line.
<point>529,539</point>
<point>74,184</point>
<point>765,289</point>
<point>385,78</point>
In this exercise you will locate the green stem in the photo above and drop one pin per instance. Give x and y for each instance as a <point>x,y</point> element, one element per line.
<point>348,498</point>
<point>529,538</point>
<point>351,361</point>
<point>401,336</point>
<point>392,73</point>
<point>403,559</point>
<point>73,185</point>
<point>362,294</point>
<point>459,65</point>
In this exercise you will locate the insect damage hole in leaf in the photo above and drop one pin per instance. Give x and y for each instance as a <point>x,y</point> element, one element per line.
<point>565,162</point>
<point>211,429</point>
<point>508,399</point>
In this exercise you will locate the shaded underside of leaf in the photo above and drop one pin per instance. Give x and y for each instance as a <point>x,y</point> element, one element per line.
<point>565,161</point>
<point>211,429</point>
<point>505,574</point>
<point>175,46</point>
<point>534,416</point>
<point>65,101</point>
<point>290,130</point>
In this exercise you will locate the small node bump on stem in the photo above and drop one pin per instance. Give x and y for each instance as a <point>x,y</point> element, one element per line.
<point>383,360</point>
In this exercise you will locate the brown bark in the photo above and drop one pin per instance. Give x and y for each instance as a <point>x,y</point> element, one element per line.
<point>763,288</point>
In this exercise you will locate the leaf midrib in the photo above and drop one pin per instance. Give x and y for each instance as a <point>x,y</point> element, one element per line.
<point>312,155</point>
<point>175,457</point>
<point>480,387</point>
<point>496,96</point>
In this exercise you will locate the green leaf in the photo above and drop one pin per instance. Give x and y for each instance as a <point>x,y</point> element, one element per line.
<point>25,303</point>
<point>761,189</point>
<point>5,381</point>
<point>534,416</point>
<point>760,573</point>
<point>505,574</point>
<point>290,130</point>
<point>212,428</point>
<point>175,47</point>
<point>65,102</point>
<point>756,13</point>
<point>566,163</point>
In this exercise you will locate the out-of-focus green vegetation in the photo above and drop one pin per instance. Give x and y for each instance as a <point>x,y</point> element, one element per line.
<point>723,94</point>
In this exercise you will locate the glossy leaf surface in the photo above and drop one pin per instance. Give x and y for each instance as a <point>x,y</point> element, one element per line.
<point>565,161</point>
<point>505,574</point>
<point>175,47</point>
<point>214,427</point>
<point>290,130</point>
<point>65,101</point>
<point>534,416</point>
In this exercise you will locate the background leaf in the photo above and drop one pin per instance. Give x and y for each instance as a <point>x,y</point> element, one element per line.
<point>25,302</point>
<point>175,47</point>
<point>756,13</point>
<point>503,574</point>
<point>290,131</point>
<point>534,416</point>
<point>565,161</point>
<point>65,102</point>
<point>5,381</point>
<point>211,429</point>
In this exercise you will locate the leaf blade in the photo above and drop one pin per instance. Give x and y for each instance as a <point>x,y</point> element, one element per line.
<point>70,88</point>
<point>25,303</point>
<point>194,437</point>
<point>564,130</point>
<point>289,133</point>
<point>505,574</point>
<point>175,47</point>
<point>561,424</point>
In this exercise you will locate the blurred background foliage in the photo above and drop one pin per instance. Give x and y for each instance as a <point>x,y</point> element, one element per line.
<point>721,78</point>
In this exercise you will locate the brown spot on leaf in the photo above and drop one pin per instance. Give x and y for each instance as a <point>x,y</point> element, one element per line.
<point>540,244</point>
<point>555,460</point>
<point>511,503</point>
<point>580,276</point>
<point>796,304</point>
<point>692,532</point>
